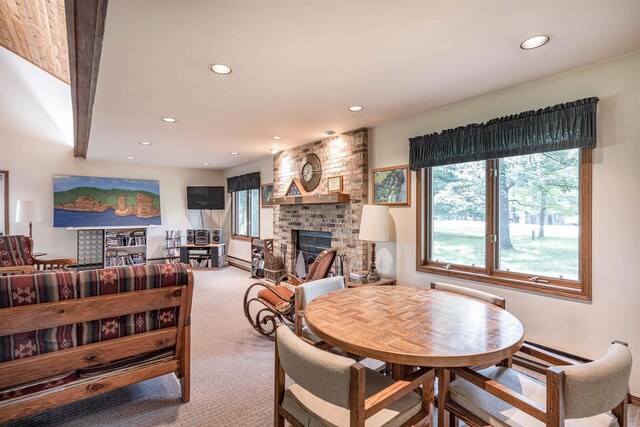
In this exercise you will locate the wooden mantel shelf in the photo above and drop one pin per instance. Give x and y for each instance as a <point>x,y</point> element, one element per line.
<point>313,199</point>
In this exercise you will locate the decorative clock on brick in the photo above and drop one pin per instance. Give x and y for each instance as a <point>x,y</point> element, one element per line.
<point>311,172</point>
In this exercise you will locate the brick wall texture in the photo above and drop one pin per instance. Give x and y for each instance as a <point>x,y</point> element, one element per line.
<point>345,155</point>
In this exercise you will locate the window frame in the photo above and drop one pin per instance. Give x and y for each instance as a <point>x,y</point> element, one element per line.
<point>576,289</point>
<point>234,233</point>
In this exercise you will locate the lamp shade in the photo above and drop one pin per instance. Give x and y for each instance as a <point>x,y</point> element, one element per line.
<point>28,211</point>
<point>374,224</point>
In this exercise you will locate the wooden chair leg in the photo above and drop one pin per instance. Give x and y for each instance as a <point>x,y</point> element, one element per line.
<point>444,377</point>
<point>428,397</point>
<point>620,412</point>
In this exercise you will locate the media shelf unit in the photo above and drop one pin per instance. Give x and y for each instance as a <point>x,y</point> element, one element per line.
<point>211,256</point>
<point>111,247</point>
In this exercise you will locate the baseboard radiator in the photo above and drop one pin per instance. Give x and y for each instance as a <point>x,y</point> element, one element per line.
<point>239,262</point>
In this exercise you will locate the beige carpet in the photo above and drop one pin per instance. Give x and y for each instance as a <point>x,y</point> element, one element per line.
<point>232,373</point>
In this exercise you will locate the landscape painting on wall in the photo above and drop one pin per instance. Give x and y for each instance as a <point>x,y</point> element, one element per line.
<point>84,201</point>
<point>392,186</point>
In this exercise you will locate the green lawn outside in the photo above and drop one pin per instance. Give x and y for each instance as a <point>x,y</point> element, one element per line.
<point>462,242</point>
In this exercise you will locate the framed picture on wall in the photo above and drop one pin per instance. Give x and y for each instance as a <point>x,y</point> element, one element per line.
<point>266,195</point>
<point>334,184</point>
<point>392,186</point>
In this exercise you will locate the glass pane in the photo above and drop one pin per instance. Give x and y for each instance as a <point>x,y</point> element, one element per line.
<point>255,213</point>
<point>539,214</point>
<point>241,212</point>
<point>458,230</point>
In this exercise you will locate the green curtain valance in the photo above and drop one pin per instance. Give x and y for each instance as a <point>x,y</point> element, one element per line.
<point>561,127</point>
<point>250,181</point>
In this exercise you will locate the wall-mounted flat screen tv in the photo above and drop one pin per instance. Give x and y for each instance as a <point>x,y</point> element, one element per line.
<point>205,198</point>
<point>88,201</point>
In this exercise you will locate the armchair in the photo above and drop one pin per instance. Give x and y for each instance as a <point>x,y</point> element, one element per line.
<point>16,257</point>
<point>334,390</point>
<point>576,394</point>
<point>275,304</point>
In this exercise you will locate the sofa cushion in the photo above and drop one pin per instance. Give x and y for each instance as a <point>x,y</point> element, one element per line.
<point>37,386</point>
<point>128,279</point>
<point>15,250</point>
<point>20,290</point>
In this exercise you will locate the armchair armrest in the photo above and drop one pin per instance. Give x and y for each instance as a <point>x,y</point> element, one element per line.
<point>546,355</point>
<point>397,390</point>
<point>503,392</point>
<point>18,269</point>
<point>52,263</point>
<point>289,277</point>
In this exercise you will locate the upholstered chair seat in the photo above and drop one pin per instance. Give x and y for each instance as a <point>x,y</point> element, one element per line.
<point>281,301</point>
<point>314,412</point>
<point>498,413</point>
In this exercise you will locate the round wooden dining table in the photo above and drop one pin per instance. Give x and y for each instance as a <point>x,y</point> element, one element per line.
<point>411,327</point>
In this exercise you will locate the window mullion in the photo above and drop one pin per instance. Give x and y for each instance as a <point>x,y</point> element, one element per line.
<point>491,213</point>
<point>248,213</point>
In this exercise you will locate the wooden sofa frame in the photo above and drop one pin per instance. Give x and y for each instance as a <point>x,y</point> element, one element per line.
<point>552,415</point>
<point>26,318</point>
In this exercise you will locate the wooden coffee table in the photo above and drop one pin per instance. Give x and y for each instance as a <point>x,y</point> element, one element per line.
<point>411,327</point>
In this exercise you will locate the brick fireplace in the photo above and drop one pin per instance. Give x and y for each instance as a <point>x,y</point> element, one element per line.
<point>343,155</point>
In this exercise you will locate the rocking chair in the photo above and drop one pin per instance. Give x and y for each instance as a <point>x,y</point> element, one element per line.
<point>276,302</point>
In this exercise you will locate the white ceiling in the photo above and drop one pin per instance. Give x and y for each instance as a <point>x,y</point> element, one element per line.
<point>298,66</point>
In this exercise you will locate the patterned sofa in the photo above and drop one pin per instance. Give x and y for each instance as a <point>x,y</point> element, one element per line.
<point>66,336</point>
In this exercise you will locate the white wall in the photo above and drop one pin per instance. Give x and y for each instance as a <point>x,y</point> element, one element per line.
<point>241,248</point>
<point>578,327</point>
<point>36,139</point>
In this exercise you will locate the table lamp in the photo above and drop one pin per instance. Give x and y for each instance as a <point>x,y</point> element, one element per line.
<point>374,227</point>
<point>28,211</point>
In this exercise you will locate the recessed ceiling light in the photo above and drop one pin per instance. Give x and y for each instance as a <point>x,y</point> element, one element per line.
<point>169,120</point>
<point>276,137</point>
<point>220,68</point>
<point>355,108</point>
<point>330,133</point>
<point>234,153</point>
<point>534,42</point>
<point>274,150</point>
<point>130,157</point>
<point>205,164</point>
<point>145,143</point>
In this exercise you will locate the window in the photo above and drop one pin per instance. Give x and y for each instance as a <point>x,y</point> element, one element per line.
<point>522,221</point>
<point>246,213</point>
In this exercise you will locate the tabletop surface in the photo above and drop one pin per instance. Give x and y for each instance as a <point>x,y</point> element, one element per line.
<point>415,326</point>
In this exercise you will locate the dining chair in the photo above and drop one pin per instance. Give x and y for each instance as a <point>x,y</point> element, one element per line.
<point>592,394</point>
<point>307,292</point>
<point>484,296</point>
<point>334,390</point>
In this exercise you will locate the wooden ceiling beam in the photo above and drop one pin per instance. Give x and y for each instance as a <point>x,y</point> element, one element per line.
<point>85,31</point>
